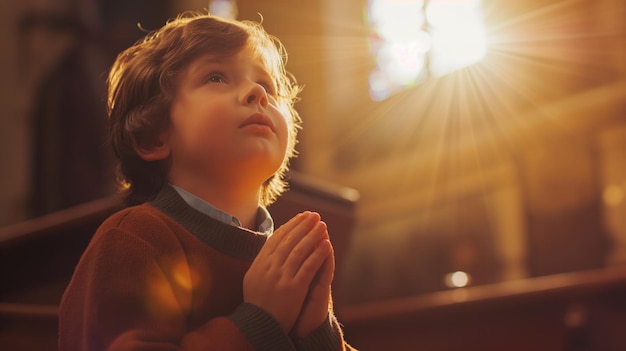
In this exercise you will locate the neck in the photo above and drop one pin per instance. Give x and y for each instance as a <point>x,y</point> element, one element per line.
<point>238,201</point>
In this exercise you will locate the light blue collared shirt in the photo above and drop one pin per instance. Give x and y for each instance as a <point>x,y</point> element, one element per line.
<point>265,223</point>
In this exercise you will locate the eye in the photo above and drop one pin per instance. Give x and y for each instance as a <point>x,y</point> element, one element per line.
<point>215,77</point>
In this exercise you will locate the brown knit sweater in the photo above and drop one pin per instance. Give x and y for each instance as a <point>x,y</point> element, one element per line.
<point>163,276</point>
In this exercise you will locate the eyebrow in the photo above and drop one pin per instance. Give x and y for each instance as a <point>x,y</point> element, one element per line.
<point>215,59</point>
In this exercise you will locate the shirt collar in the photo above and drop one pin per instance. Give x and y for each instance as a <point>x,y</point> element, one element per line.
<point>264,222</point>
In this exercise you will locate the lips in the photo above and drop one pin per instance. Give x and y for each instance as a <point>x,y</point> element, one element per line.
<point>258,119</point>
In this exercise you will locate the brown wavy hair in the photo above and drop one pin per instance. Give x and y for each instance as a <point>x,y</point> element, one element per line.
<point>142,84</point>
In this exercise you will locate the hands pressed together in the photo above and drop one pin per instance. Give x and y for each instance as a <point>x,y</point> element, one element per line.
<point>291,276</point>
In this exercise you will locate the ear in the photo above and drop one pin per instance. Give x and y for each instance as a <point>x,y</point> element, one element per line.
<point>156,149</point>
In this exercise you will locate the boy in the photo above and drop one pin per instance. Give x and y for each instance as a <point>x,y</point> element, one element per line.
<point>203,125</point>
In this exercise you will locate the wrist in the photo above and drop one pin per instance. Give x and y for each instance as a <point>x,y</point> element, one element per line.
<point>326,336</point>
<point>303,330</point>
<point>260,328</point>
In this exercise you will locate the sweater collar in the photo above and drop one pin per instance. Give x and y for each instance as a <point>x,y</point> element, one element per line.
<point>264,221</point>
<point>231,240</point>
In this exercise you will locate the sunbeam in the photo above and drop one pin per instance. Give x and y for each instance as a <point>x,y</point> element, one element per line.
<point>468,120</point>
<point>475,133</point>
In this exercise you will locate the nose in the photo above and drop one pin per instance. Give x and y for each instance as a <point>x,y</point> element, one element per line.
<point>254,93</point>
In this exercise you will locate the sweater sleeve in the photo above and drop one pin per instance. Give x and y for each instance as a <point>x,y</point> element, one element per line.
<point>121,297</point>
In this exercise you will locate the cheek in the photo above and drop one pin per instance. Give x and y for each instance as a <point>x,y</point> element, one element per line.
<point>283,130</point>
<point>197,123</point>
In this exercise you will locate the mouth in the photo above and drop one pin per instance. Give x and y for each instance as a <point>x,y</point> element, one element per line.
<point>258,119</point>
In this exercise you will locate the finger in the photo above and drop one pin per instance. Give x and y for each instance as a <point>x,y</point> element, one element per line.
<point>304,248</point>
<point>274,240</point>
<point>324,277</point>
<point>292,239</point>
<point>312,263</point>
<point>327,272</point>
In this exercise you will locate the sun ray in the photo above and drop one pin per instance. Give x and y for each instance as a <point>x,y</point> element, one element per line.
<point>538,52</point>
<point>537,15</point>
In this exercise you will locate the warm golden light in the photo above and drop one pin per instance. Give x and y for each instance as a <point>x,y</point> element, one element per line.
<point>506,133</point>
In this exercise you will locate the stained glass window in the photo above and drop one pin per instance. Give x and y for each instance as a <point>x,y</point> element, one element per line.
<point>223,8</point>
<point>412,40</point>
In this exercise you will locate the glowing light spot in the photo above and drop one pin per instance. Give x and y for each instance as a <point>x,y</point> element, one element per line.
<point>458,34</point>
<point>613,195</point>
<point>457,279</point>
<point>124,185</point>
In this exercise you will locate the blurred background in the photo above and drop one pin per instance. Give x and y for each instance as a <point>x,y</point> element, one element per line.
<point>487,139</point>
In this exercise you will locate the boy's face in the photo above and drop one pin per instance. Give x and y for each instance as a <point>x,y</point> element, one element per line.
<point>225,122</point>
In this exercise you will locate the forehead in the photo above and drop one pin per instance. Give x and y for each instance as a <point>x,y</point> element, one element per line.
<point>246,57</point>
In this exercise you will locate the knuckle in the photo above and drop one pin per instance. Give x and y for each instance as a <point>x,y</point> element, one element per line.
<point>272,274</point>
